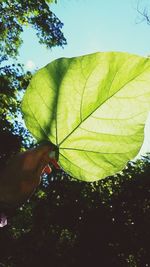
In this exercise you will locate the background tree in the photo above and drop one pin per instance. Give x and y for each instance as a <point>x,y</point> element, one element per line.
<point>143,9</point>
<point>70,223</point>
<point>15,16</point>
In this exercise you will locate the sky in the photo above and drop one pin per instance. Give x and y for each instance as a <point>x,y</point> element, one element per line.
<point>91,26</point>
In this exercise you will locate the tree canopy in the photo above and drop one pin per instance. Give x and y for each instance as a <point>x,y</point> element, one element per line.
<point>18,14</point>
<point>71,224</point>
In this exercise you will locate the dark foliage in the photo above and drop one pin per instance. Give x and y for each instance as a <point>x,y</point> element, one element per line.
<point>13,135</point>
<point>69,223</point>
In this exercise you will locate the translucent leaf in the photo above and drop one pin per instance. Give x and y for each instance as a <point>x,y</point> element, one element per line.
<point>93,108</point>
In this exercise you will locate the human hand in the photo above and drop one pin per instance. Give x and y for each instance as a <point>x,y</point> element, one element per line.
<point>22,175</point>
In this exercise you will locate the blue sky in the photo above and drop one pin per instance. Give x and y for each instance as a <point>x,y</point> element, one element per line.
<point>90,26</point>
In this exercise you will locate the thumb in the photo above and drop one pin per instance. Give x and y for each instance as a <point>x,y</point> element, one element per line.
<point>37,158</point>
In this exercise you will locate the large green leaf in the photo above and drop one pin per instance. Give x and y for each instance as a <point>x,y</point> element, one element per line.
<point>93,108</point>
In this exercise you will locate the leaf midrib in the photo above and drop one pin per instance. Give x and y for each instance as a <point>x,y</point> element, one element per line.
<point>101,105</point>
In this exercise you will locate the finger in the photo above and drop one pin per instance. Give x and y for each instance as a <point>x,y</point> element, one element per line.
<point>43,162</point>
<point>42,149</point>
<point>55,163</point>
<point>47,169</point>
